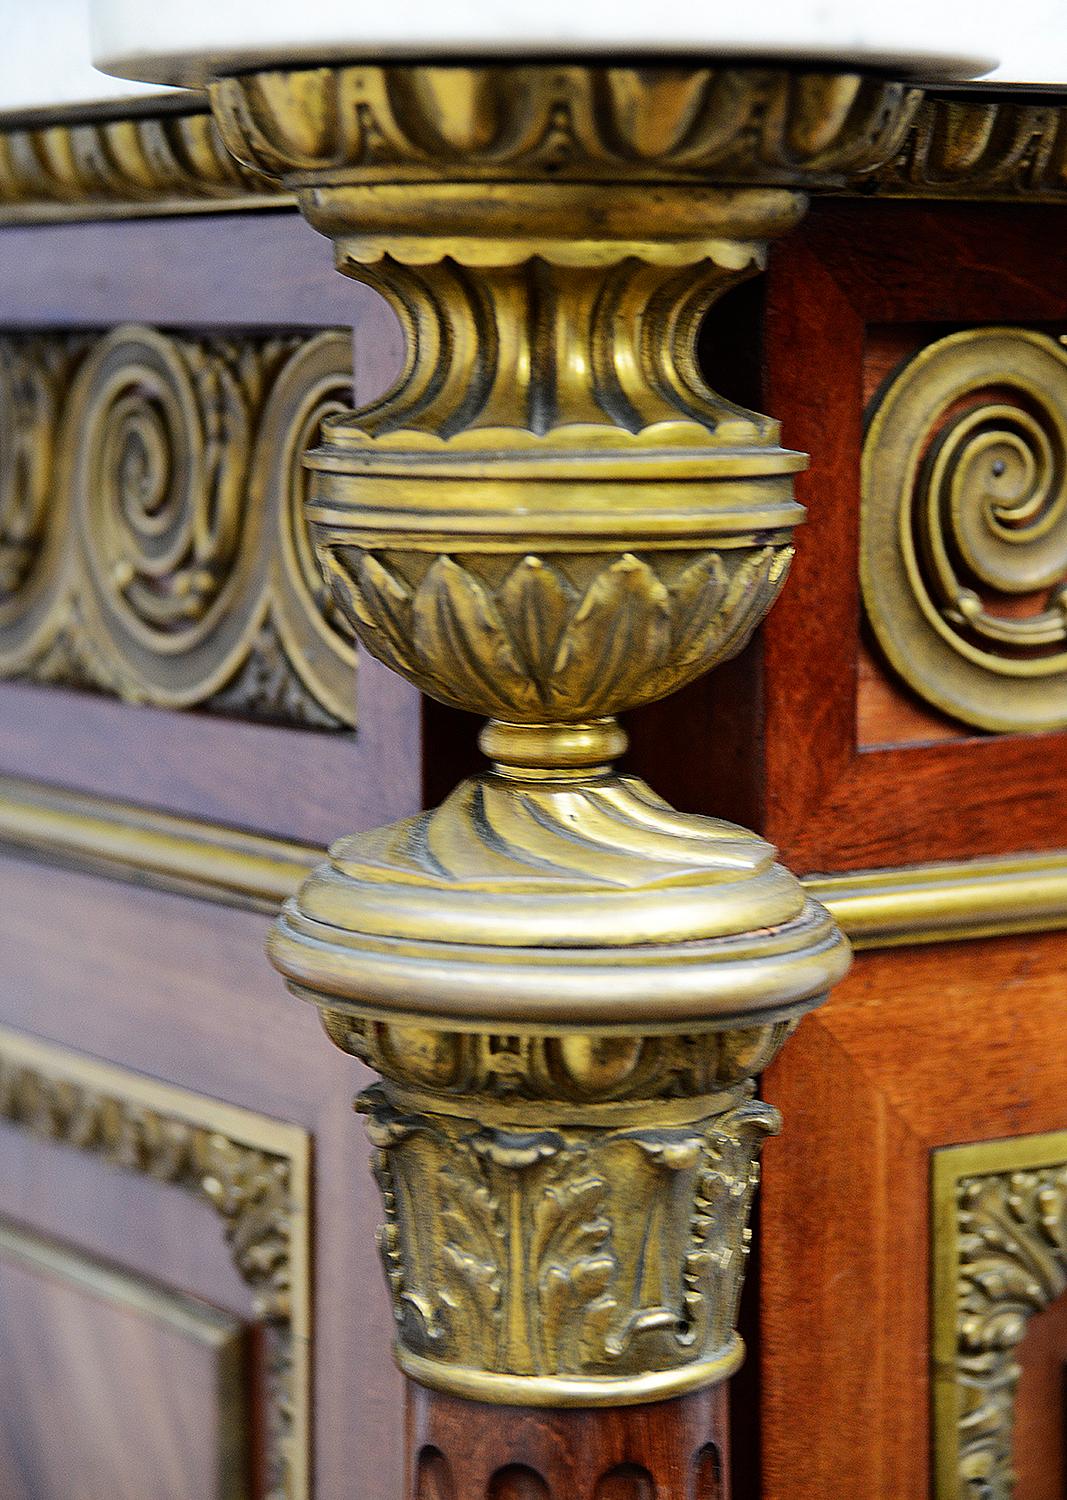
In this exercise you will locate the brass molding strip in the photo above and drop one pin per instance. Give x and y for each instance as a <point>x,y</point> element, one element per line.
<point>169,161</point>
<point>252,1169</point>
<point>948,902</point>
<point>998,1256</point>
<point>151,848</point>
<point>968,144</point>
<point>877,908</point>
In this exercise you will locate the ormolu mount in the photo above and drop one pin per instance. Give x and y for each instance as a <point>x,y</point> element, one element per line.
<point>567,986</point>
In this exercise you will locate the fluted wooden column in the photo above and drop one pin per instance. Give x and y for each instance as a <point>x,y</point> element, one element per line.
<point>567,987</point>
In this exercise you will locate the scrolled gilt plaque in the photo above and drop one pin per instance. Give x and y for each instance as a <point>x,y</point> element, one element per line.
<point>152,537</point>
<point>999,1256</point>
<point>964,527</point>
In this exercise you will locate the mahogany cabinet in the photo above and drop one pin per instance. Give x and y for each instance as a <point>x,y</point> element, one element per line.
<point>191,1303</point>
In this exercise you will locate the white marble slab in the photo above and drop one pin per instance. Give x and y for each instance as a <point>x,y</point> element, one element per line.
<point>45,61</point>
<point>184,41</point>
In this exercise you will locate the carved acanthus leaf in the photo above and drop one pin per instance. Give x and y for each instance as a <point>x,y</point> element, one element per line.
<point>540,643</point>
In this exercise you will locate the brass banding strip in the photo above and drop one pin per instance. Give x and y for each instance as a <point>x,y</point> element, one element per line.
<point>886,908</point>
<point>541,1390</point>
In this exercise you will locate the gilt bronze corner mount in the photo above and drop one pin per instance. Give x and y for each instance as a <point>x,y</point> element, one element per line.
<point>567,987</point>
<point>999,1252</point>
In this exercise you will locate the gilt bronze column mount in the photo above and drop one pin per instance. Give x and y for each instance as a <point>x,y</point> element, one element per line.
<point>567,986</point>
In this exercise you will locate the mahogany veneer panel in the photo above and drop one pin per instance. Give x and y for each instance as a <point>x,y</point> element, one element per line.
<point>1041,1407</point>
<point>848,268</point>
<point>115,1387</point>
<point>917,1048</point>
<point>771,739</point>
<point>182,990</point>
<point>238,270</point>
<point>302,784</point>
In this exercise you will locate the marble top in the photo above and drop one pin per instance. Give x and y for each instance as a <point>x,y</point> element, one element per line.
<point>186,43</point>
<point>148,47</point>
<point>45,62</point>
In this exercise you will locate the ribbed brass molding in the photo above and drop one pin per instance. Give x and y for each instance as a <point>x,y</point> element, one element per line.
<point>566,986</point>
<point>168,160</point>
<point>937,143</point>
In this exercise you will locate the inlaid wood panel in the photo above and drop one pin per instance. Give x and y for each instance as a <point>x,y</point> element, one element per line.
<point>775,739</point>
<point>113,1385</point>
<point>1041,1407</point>
<point>917,1049</point>
<point>851,269</point>
<point>181,990</point>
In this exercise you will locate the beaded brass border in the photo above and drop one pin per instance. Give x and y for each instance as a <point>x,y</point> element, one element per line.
<point>255,1172</point>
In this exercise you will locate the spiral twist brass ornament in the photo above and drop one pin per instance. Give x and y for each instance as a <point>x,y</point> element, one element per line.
<point>567,987</point>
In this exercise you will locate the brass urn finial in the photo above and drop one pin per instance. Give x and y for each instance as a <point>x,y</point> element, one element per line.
<point>567,986</point>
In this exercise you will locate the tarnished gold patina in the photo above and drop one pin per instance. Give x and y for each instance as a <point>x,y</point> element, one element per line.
<point>567,986</point>
<point>964,527</point>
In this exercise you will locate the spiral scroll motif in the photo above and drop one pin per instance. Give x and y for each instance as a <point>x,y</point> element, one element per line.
<point>152,536</point>
<point>34,540</point>
<point>160,480</point>
<point>964,556</point>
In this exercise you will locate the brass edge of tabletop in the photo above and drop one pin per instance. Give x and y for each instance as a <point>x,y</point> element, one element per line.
<point>886,908</point>
<point>167,157</point>
<point>161,160</point>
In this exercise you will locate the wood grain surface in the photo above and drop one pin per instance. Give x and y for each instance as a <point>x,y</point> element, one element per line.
<point>852,267</point>
<point>181,990</point>
<point>918,1048</point>
<point>773,739</point>
<point>110,1385</point>
<point>668,1450</point>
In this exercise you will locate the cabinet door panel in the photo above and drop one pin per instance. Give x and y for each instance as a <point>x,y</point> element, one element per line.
<point>112,1384</point>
